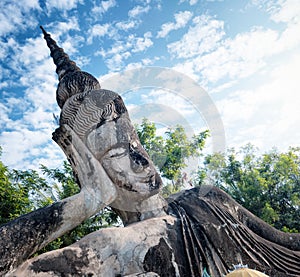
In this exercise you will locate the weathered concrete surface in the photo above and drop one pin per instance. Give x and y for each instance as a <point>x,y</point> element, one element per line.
<point>204,229</point>
<point>216,232</point>
<point>109,252</point>
<point>24,237</point>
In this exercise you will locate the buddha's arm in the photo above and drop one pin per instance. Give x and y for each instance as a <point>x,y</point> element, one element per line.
<point>24,236</point>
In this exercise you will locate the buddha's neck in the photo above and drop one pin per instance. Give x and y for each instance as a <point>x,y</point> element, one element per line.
<point>153,206</point>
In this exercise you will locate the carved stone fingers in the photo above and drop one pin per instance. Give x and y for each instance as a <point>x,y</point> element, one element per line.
<point>89,172</point>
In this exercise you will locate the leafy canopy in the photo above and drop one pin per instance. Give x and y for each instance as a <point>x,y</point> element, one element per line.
<point>170,152</point>
<point>268,185</point>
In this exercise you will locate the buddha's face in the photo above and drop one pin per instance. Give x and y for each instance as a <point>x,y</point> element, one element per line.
<point>117,147</point>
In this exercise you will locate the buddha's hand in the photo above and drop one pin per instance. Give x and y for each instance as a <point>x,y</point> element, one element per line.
<point>88,171</point>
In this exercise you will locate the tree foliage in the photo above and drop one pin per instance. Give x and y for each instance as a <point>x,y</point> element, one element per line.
<point>268,185</point>
<point>170,152</point>
<point>19,192</point>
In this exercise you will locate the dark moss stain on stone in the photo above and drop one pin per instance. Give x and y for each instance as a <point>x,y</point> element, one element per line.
<point>33,228</point>
<point>66,264</point>
<point>158,259</point>
<point>137,157</point>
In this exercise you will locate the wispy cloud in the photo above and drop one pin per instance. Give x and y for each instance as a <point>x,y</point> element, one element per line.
<point>268,112</point>
<point>208,53</point>
<point>122,50</point>
<point>252,69</point>
<point>191,2</point>
<point>181,19</point>
<point>141,43</point>
<point>143,62</point>
<point>281,11</point>
<point>64,5</point>
<point>98,10</point>
<point>127,25</point>
<point>17,15</point>
<point>202,36</point>
<point>138,11</point>
<point>98,30</point>
<point>26,118</point>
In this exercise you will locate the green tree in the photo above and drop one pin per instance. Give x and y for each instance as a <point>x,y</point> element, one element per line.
<point>170,152</point>
<point>266,184</point>
<point>19,192</point>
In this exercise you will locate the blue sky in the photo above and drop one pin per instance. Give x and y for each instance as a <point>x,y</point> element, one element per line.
<point>245,54</point>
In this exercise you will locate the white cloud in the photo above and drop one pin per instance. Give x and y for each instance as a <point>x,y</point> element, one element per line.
<point>166,108</point>
<point>32,52</point>
<point>141,43</point>
<point>24,149</point>
<point>188,69</point>
<point>30,115</point>
<point>116,62</point>
<point>98,30</point>
<point>267,114</point>
<point>191,2</point>
<point>126,25</point>
<point>63,27</point>
<point>32,62</point>
<point>4,115</point>
<point>62,4</point>
<point>117,48</point>
<point>129,66</point>
<point>122,50</point>
<point>287,11</point>
<point>215,57</point>
<point>262,113</point>
<point>106,5</point>
<point>138,10</point>
<point>238,57</point>
<point>103,7</point>
<point>25,139</point>
<point>59,31</point>
<point>17,15</point>
<point>38,117</point>
<point>163,97</point>
<point>207,54</point>
<point>181,19</point>
<point>203,36</point>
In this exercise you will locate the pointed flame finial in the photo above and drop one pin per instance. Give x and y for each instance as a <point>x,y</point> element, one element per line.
<point>43,30</point>
<point>71,79</point>
<point>62,61</point>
